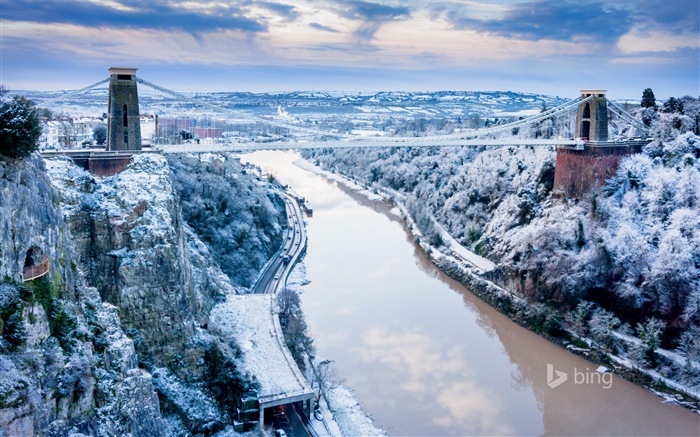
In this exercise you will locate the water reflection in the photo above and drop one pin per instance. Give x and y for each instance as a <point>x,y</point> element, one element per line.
<point>425,356</point>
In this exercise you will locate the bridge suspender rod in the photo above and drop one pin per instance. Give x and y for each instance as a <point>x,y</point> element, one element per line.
<point>505,127</point>
<point>627,117</point>
<point>46,103</point>
<point>231,111</point>
<point>535,118</point>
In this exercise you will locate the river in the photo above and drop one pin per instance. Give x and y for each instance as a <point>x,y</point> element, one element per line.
<point>426,357</point>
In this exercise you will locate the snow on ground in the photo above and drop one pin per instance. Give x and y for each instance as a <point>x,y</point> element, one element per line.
<point>297,277</point>
<point>477,261</point>
<point>69,180</point>
<point>198,407</point>
<point>327,426</point>
<point>145,182</point>
<point>457,249</point>
<point>249,322</point>
<point>679,359</point>
<point>369,133</point>
<point>349,415</point>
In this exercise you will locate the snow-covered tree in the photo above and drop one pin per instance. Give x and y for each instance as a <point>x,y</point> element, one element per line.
<point>648,99</point>
<point>19,126</point>
<point>650,334</point>
<point>99,134</point>
<point>633,248</point>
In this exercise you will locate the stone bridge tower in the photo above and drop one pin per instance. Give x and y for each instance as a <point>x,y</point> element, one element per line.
<point>592,117</point>
<point>124,124</point>
<point>579,171</point>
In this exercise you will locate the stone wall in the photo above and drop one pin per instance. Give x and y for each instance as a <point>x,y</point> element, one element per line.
<point>578,172</point>
<point>123,93</point>
<point>108,165</point>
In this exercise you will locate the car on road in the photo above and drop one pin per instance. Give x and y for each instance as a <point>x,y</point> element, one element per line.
<point>277,276</point>
<point>280,433</point>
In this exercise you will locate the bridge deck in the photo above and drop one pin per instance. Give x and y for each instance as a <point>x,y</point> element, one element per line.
<point>368,142</point>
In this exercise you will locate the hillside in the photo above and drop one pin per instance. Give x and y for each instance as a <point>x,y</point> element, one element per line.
<point>624,260</point>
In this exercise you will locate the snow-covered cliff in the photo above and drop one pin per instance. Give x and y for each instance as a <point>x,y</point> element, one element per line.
<point>113,340</point>
<point>66,362</point>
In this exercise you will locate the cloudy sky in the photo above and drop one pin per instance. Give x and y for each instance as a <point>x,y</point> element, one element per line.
<point>542,46</point>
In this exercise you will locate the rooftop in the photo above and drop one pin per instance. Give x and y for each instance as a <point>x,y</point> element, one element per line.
<point>122,70</point>
<point>251,321</point>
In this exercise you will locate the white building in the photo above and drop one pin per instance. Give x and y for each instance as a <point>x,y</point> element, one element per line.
<point>66,134</point>
<point>51,135</point>
<point>148,129</point>
<point>83,129</point>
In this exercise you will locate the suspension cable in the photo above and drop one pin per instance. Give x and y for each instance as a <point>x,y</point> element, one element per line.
<point>48,102</point>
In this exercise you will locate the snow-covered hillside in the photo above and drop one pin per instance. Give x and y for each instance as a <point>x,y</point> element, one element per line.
<point>632,249</point>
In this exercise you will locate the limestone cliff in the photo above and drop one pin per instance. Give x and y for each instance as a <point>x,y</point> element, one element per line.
<point>113,340</point>
<point>66,364</point>
<point>134,250</point>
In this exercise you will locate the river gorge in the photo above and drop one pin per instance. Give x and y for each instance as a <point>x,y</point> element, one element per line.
<point>425,356</point>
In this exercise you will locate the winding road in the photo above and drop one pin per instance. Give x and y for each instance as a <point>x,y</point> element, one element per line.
<point>274,276</point>
<point>273,279</point>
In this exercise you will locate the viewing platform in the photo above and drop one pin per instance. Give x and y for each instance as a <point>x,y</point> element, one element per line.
<point>32,272</point>
<point>99,162</point>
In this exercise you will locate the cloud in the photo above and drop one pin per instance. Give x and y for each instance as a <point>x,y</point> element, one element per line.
<point>675,16</point>
<point>161,14</point>
<point>289,12</point>
<point>372,15</point>
<point>565,20</point>
<point>437,374</point>
<point>319,26</point>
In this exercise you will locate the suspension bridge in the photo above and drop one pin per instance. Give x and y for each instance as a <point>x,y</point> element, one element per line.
<point>500,135</point>
<point>584,160</point>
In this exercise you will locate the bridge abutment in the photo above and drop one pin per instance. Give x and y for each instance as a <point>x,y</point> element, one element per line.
<point>578,172</point>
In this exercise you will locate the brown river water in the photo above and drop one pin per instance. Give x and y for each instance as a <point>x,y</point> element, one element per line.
<point>426,357</point>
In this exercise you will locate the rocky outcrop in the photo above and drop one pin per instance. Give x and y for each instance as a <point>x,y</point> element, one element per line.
<point>113,340</point>
<point>29,219</point>
<point>65,362</point>
<point>136,253</point>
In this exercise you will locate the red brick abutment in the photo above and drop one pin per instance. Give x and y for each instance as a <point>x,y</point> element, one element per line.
<point>578,172</point>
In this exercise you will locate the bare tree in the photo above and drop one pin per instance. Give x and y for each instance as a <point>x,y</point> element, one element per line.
<point>67,133</point>
<point>288,302</point>
<point>294,327</point>
<point>326,377</point>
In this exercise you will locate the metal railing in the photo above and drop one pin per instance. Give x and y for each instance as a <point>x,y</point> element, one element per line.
<point>32,272</point>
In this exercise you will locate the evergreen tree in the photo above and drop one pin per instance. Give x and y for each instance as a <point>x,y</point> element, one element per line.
<point>19,126</point>
<point>100,134</point>
<point>673,105</point>
<point>648,99</point>
<point>186,135</point>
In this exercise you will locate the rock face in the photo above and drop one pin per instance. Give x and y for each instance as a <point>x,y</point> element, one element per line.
<point>134,249</point>
<point>114,336</point>
<point>66,363</point>
<point>29,219</point>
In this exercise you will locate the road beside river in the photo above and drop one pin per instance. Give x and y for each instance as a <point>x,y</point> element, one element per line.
<point>426,357</point>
